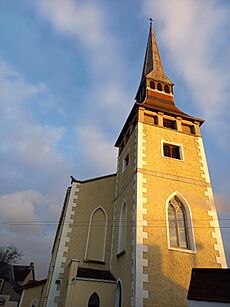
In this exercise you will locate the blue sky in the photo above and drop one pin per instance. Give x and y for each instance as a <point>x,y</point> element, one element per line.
<point>69,71</point>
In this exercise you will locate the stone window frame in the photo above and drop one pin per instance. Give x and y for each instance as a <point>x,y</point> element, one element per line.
<point>181,150</point>
<point>190,229</point>
<point>88,235</point>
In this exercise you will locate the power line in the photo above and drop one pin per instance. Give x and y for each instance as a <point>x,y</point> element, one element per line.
<point>102,225</point>
<point>110,221</point>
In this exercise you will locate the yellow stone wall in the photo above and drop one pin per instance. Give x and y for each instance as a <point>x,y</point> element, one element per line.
<point>169,270</point>
<point>32,293</point>
<point>151,273</point>
<point>122,266</point>
<point>91,195</point>
<point>82,290</point>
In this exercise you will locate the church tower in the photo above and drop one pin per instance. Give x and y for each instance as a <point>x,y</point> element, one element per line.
<point>131,239</point>
<point>165,221</point>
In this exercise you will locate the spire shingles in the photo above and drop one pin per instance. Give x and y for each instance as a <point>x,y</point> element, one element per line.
<point>153,68</point>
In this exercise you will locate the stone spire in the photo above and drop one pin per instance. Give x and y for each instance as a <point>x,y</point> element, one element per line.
<point>153,68</point>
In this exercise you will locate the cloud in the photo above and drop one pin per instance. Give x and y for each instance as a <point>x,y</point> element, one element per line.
<point>222,204</point>
<point>14,89</point>
<point>20,134</point>
<point>76,18</point>
<point>14,206</point>
<point>107,95</point>
<point>87,23</point>
<point>29,148</point>
<point>98,154</point>
<point>29,158</point>
<point>21,225</point>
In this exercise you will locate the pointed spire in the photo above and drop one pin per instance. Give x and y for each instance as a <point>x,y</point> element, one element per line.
<point>153,67</point>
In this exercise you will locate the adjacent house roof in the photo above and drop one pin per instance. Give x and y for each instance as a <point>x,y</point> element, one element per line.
<point>21,272</point>
<point>210,285</point>
<point>14,274</point>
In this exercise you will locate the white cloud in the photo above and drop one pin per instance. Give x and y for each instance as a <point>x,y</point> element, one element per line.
<point>222,204</point>
<point>84,20</point>
<point>14,89</point>
<point>21,225</point>
<point>22,138</point>
<point>22,210</point>
<point>88,24</point>
<point>29,158</point>
<point>107,93</point>
<point>34,145</point>
<point>99,153</point>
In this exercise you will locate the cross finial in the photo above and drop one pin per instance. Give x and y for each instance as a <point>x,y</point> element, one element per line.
<point>151,20</point>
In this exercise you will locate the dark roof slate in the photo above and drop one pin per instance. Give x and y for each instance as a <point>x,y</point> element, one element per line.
<point>6,271</point>
<point>210,285</point>
<point>95,274</point>
<point>21,272</point>
<point>152,67</point>
<point>14,273</point>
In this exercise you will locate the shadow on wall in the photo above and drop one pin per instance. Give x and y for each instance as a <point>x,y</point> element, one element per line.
<point>168,277</point>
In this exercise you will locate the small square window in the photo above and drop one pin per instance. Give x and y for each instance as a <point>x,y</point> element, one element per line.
<point>172,151</point>
<point>125,162</point>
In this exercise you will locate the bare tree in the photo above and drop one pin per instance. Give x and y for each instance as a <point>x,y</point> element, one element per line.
<point>10,254</point>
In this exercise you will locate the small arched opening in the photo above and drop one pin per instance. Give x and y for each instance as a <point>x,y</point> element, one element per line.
<point>118,295</point>
<point>166,89</point>
<point>159,87</point>
<point>94,300</point>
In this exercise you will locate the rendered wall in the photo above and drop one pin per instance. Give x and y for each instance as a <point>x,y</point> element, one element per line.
<point>123,266</point>
<point>86,197</point>
<point>82,290</point>
<point>31,293</point>
<point>168,271</point>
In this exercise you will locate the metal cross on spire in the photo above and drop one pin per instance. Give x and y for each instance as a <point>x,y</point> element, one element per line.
<point>151,20</point>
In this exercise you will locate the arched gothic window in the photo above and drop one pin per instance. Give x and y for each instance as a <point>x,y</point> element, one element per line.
<point>95,249</point>
<point>94,300</point>
<point>118,295</point>
<point>179,236</point>
<point>122,228</point>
